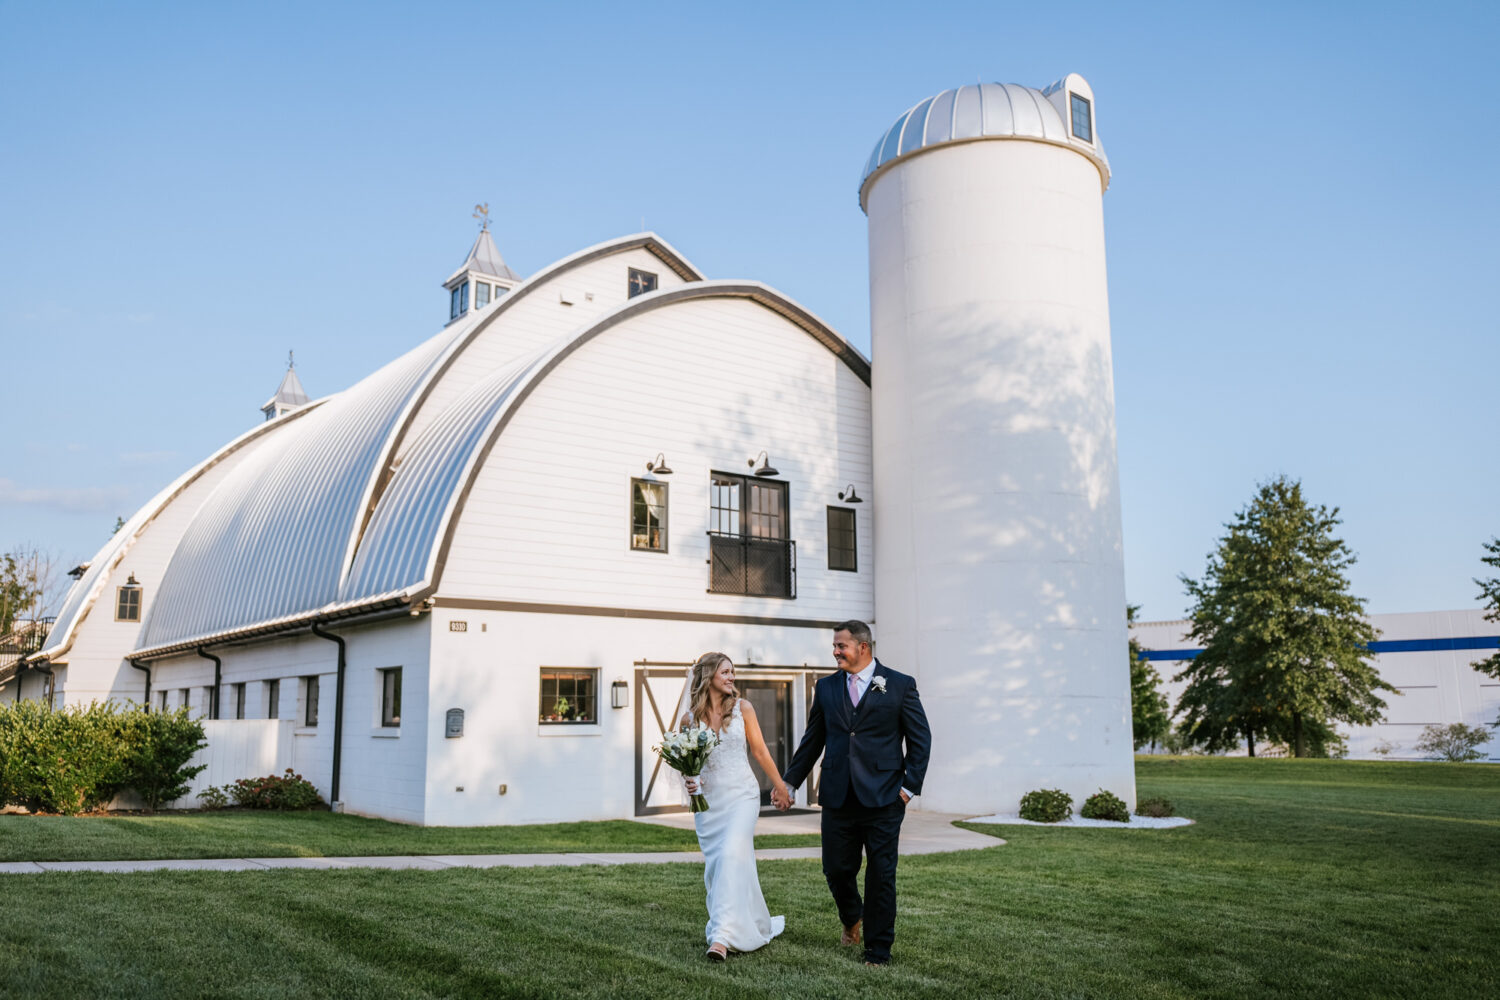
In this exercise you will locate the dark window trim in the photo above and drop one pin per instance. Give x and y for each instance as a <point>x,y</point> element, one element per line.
<point>594,672</point>
<point>665,508</point>
<point>390,719</point>
<point>1088,107</point>
<point>853,552</point>
<point>630,282</point>
<point>311,688</point>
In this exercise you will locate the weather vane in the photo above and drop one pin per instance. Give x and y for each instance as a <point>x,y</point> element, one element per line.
<point>290,364</point>
<point>482,213</point>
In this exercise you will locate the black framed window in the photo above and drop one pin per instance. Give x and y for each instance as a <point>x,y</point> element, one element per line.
<point>183,697</point>
<point>750,551</point>
<point>569,696</point>
<point>1083,121</point>
<point>390,697</point>
<point>309,701</point>
<point>273,699</point>
<point>648,515</point>
<point>161,700</point>
<point>128,604</point>
<point>641,282</point>
<point>239,701</point>
<point>453,304</point>
<point>843,550</point>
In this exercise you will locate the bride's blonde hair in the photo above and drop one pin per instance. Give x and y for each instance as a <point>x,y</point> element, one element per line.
<point>700,686</point>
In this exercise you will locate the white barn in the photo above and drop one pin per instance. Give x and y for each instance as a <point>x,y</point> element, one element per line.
<point>465,589</point>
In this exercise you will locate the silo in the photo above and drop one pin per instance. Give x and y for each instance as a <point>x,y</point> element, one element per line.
<point>999,579</point>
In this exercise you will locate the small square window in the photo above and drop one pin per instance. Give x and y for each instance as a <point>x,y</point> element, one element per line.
<point>641,282</point>
<point>309,701</point>
<point>239,701</point>
<point>273,699</point>
<point>1083,122</point>
<point>128,603</point>
<point>390,697</point>
<point>843,549</point>
<point>648,515</point>
<point>569,696</point>
<point>481,295</point>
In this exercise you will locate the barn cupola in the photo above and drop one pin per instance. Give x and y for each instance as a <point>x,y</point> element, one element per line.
<point>289,395</point>
<point>483,277</point>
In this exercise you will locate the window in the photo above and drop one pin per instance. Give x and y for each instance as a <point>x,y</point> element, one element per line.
<point>453,309</point>
<point>749,549</point>
<point>842,547</point>
<point>481,295</point>
<point>648,515</point>
<point>239,701</point>
<point>182,698</point>
<point>463,297</point>
<point>1083,123</point>
<point>309,701</point>
<point>641,282</point>
<point>390,697</point>
<point>569,696</point>
<point>208,702</point>
<point>273,699</point>
<point>128,602</point>
<point>161,700</point>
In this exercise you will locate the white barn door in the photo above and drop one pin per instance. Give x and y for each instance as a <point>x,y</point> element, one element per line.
<point>657,694</point>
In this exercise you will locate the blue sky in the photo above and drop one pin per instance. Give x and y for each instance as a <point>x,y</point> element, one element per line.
<point>1301,225</point>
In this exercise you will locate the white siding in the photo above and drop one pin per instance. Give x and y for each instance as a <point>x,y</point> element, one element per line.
<point>709,383</point>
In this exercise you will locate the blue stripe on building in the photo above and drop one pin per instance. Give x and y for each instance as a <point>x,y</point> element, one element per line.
<point>1383,646</point>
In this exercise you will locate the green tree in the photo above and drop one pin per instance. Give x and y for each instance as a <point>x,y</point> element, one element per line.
<point>1285,645</point>
<point>1489,593</point>
<point>19,590</point>
<point>1148,706</point>
<point>1455,742</point>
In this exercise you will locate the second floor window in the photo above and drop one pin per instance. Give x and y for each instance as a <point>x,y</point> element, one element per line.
<point>648,515</point>
<point>640,283</point>
<point>128,602</point>
<point>842,549</point>
<point>1083,122</point>
<point>750,551</point>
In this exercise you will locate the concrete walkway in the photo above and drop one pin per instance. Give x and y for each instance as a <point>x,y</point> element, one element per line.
<point>921,833</point>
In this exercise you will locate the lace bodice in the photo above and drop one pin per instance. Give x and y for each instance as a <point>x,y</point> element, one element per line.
<point>727,771</point>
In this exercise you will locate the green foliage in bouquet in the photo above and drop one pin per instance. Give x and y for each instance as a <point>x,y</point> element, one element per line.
<point>288,791</point>
<point>1046,805</point>
<point>1105,805</point>
<point>1157,807</point>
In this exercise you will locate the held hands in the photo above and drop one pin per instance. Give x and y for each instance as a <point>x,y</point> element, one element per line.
<point>781,797</point>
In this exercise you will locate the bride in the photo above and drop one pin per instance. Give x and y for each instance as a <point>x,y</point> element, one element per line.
<point>737,916</point>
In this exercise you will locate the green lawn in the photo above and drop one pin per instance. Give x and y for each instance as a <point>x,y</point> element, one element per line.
<point>1301,879</point>
<point>319,835</point>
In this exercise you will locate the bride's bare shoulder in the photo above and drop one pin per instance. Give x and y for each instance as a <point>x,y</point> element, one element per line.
<point>746,708</point>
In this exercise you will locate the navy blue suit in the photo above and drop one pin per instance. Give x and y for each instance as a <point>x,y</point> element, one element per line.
<point>871,751</point>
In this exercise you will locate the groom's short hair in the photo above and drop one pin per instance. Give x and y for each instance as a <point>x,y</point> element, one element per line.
<point>858,631</point>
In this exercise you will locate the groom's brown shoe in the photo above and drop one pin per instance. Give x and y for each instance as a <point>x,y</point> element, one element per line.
<point>851,934</point>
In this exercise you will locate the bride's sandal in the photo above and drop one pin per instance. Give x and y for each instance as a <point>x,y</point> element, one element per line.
<point>717,952</point>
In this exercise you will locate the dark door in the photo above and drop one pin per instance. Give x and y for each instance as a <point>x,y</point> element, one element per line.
<point>773,707</point>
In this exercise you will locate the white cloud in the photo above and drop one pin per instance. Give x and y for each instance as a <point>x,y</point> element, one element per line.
<point>86,499</point>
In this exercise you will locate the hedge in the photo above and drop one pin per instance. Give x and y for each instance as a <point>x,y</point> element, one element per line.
<point>77,759</point>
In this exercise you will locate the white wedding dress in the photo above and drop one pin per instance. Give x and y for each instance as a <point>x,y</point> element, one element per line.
<point>737,913</point>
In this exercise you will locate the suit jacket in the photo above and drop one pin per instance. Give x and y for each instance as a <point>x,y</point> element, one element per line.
<point>862,745</point>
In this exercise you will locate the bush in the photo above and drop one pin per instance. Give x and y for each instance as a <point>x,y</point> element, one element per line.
<point>213,797</point>
<point>1105,805</point>
<point>1046,805</point>
<point>289,791</point>
<point>1155,806</point>
<point>1457,742</point>
<point>76,759</point>
<point>158,748</point>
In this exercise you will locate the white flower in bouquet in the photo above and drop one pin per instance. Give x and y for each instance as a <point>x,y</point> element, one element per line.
<point>685,751</point>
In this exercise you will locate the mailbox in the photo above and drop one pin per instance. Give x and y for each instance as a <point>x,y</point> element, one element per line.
<point>455,727</point>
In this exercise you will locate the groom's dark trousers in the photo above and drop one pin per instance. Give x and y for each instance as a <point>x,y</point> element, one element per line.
<point>864,771</point>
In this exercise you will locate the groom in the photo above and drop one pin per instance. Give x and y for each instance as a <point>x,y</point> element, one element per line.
<point>858,719</point>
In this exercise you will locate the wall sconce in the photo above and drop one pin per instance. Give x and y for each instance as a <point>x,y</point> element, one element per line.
<point>849,496</point>
<point>765,465</point>
<point>619,695</point>
<point>658,465</point>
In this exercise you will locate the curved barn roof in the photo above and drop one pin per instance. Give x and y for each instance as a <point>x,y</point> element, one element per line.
<point>982,111</point>
<point>267,550</point>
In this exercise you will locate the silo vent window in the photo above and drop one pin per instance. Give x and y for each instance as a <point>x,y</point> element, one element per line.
<point>1083,122</point>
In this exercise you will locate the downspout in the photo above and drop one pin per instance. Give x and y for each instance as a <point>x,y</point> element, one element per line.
<point>44,668</point>
<point>338,714</point>
<point>213,702</point>
<point>21,666</point>
<point>147,671</point>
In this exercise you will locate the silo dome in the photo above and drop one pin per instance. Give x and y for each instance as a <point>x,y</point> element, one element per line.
<point>1062,114</point>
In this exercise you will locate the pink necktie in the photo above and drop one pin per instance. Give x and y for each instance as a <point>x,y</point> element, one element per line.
<point>853,689</point>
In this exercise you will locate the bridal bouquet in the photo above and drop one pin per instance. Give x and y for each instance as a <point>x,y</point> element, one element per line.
<point>686,751</point>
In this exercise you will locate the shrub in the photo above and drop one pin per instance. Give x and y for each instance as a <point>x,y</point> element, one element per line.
<point>289,791</point>
<point>1046,805</point>
<point>1156,806</point>
<point>1456,742</point>
<point>213,797</point>
<point>1105,805</point>
<point>158,746</point>
<point>66,760</point>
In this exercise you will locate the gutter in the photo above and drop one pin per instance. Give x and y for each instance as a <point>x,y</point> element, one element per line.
<point>147,671</point>
<point>338,714</point>
<point>213,702</point>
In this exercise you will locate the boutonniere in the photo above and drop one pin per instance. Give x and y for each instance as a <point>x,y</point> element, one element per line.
<point>878,683</point>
